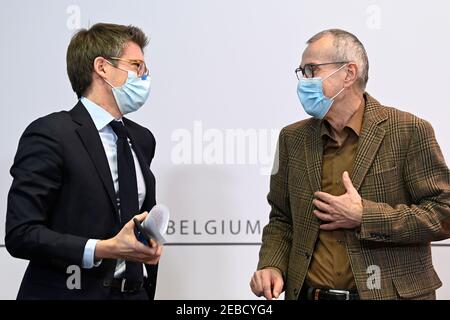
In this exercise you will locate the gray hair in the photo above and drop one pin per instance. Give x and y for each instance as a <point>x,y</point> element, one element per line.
<point>348,48</point>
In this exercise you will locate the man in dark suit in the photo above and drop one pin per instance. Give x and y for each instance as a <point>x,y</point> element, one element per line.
<point>80,176</point>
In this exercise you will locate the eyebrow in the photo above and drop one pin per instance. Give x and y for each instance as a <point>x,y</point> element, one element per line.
<point>137,60</point>
<point>309,63</point>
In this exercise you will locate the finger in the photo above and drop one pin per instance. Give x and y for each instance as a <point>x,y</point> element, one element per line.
<point>258,283</point>
<point>152,243</point>
<point>159,249</point>
<point>141,216</point>
<point>155,253</point>
<point>137,257</point>
<point>330,226</point>
<point>325,197</point>
<point>144,250</point>
<point>347,182</point>
<point>277,283</point>
<point>323,216</point>
<point>322,206</point>
<point>267,284</point>
<point>152,261</point>
<point>253,286</point>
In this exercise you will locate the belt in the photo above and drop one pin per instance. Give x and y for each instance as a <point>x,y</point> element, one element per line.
<point>125,286</point>
<point>311,294</point>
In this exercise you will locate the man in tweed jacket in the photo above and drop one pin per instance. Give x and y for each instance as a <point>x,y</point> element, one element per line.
<point>371,239</point>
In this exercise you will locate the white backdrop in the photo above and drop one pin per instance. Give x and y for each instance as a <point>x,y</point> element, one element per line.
<point>223,85</point>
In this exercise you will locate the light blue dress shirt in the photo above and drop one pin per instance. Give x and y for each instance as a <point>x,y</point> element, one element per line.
<point>101,119</point>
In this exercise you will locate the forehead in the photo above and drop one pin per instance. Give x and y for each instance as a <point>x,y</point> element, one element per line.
<point>319,51</point>
<point>132,51</point>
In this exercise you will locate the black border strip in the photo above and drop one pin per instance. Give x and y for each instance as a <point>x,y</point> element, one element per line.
<point>206,244</point>
<point>213,244</point>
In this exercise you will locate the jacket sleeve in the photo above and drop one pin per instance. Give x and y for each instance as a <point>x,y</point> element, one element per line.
<point>427,180</point>
<point>37,178</point>
<point>152,270</point>
<point>277,234</point>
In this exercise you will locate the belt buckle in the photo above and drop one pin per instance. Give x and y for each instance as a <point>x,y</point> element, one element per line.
<point>346,292</point>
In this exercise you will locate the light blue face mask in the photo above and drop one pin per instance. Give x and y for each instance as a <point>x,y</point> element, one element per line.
<point>310,93</point>
<point>133,93</point>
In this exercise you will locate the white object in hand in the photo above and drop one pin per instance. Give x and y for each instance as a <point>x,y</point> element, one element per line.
<point>156,222</point>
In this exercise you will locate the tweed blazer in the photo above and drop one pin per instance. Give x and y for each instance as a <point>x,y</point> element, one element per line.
<point>402,177</point>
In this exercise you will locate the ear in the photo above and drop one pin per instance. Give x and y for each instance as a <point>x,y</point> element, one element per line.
<point>352,75</point>
<point>100,66</point>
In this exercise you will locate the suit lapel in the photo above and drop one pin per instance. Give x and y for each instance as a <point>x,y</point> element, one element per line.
<point>145,168</point>
<point>314,155</point>
<point>372,136</point>
<point>369,142</point>
<point>91,140</point>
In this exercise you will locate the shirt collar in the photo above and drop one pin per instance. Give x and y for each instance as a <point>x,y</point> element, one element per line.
<point>355,122</point>
<point>100,116</point>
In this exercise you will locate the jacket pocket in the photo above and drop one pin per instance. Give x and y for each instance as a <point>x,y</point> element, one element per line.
<point>386,186</point>
<point>415,285</point>
<point>384,171</point>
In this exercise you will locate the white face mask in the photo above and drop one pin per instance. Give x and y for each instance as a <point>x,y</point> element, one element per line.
<point>133,93</point>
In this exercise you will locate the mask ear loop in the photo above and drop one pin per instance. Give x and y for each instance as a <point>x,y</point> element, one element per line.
<point>334,97</point>
<point>108,83</point>
<point>116,68</point>
<point>333,74</point>
<point>335,71</point>
<point>105,79</point>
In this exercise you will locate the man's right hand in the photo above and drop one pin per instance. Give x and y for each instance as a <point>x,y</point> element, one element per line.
<point>125,246</point>
<point>267,282</point>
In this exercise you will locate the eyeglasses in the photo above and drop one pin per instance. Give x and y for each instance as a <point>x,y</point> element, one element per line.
<point>308,70</point>
<point>139,64</point>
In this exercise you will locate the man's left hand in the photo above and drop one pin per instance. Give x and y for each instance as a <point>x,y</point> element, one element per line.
<point>342,212</point>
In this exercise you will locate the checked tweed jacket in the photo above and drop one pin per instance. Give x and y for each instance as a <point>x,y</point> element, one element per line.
<point>404,182</point>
